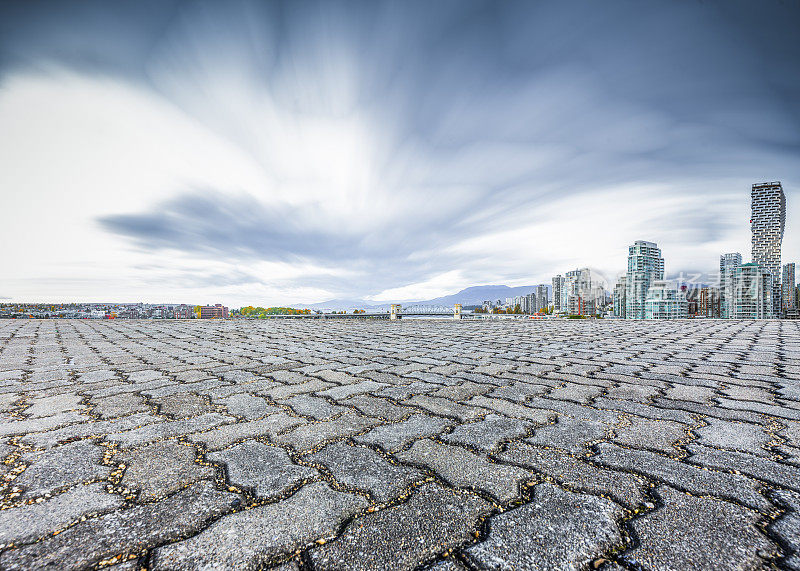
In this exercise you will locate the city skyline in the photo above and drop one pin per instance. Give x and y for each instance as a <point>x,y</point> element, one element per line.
<point>290,154</point>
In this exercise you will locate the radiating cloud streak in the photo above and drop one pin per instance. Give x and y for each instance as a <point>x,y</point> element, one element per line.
<point>387,146</point>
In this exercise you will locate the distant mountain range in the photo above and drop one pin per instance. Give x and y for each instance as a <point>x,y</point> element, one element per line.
<point>474,295</point>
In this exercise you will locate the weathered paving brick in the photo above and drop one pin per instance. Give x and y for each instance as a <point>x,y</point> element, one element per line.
<point>577,474</point>
<point>344,391</point>
<point>378,407</point>
<point>125,532</point>
<point>248,406</point>
<point>393,437</point>
<point>29,522</point>
<point>532,536</point>
<point>688,532</point>
<point>169,429</point>
<point>118,405</point>
<point>754,466</point>
<point>659,435</point>
<point>265,469</point>
<point>404,536</point>
<point>466,469</point>
<point>62,466</point>
<point>161,468</point>
<point>513,409</point>
<point>574,435</point>
<point>253,538</point>
<point>27,425</point>
<point>366,470</point>
<point>227,434</point>
<point>690,478</point>
<point>488,433</point>
<point>48,406</point>
<point>740,436</point>
<point>182,405</point>
<point>51,438</point>
<point>445,407</point>
<point>315,407</point>
<point>310,436</point>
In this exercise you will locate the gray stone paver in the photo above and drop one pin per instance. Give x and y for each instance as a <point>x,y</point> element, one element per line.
<point>532,536</point>
<point>366,444</point>
<point>266,469</point>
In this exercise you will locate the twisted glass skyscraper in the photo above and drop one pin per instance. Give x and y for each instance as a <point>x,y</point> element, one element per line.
<point>768,204</point>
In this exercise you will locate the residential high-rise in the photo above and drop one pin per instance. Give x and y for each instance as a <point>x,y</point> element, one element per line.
<point>710,302</point>
<point>727,268</point>
<point>752,292</point>
<point>645,266</point>
<point>665,302</point>
<point>577,295</point>
<point>558,287</point>
<point>541,298</point>
<point>619,298</point>
<point>767,222</point>
<point>788,292</point>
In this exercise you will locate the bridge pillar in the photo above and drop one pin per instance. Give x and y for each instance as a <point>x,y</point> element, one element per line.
<point>394,312</point>
<point>457,311</point>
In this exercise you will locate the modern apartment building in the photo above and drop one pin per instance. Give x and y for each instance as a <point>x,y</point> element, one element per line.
<point>752,292</point>
<point>664,301</point>
<point>619,298</point>
<point>767,222</point>
<point>577,297</point>
<point>542,302</point>
<point>727,268</point>
<point>558,287</point>
<point>645,266</point>
<point>788,292</point>
<point>710,302</point>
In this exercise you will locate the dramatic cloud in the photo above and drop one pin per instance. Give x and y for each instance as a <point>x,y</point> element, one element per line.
<point>290,151</point>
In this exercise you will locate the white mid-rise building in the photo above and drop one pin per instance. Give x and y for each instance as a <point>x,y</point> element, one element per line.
<point>752,292</point>
<point>665,301</point>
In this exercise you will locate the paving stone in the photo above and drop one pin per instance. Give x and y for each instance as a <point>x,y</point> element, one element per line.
<point>248,406</point>
<point>749,465</point>
<point>689,478</point>
<point>404,536</point>
<point>446,407</point>
<point>48,406</point>
<point>253,538</point>
<point>466,469</point>
<point>344,391</point>
<point>659,435</point>
<point>310,436</point>
<point>56,468</point>
<point>52,438</point>
<point>161,468</point>
<point>265,469</point>
<point>532,536</point>
<point>740,436</point>
<point>29,522</point>
<point>576,474</point>
<point>488,433</point>
<point>393,437</point>
<point>118,405</point>
<point>168,429</point>
<point>365,469</point>
<point>125,532</point>
<point>286,391</point>
<point>688,532</point>
<point>228,434</point>
<point>513,409</point>
<point>787,527</point>
<point>570,434</point>
<point>378,407</point>
<point>28,425</point>
<point>182,405</point>
<point>315,407</point>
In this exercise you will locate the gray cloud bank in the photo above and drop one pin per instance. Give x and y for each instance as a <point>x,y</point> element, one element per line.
<point>484,113</point>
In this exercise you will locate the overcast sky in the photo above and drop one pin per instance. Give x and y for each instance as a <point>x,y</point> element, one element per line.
<point>265,153</point>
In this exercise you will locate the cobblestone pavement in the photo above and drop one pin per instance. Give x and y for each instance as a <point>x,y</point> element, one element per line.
<point>398,445</point>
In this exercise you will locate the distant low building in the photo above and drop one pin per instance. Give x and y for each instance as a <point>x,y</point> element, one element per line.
<point>753,292</point>
<point>216,311</point>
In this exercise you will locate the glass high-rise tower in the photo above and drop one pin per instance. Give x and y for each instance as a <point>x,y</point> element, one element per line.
<point>727,269</point>
<point>645,266</point>
<point>768,204</point>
